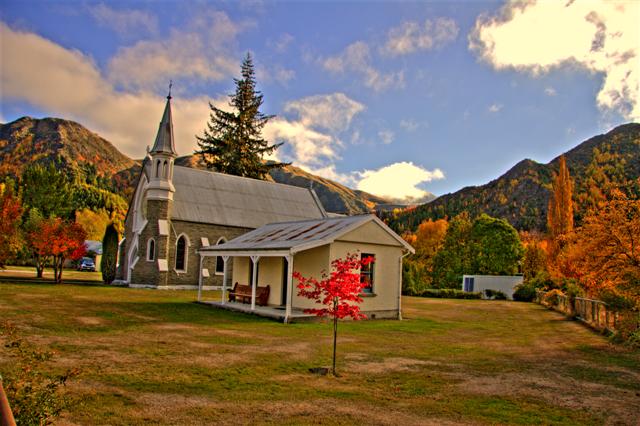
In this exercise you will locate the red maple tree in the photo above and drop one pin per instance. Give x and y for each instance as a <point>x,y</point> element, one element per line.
<point>339,292</point>
<point>10,213</point>
<point>59,240</point>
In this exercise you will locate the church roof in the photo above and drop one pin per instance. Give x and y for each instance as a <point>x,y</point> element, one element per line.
<point>300,235</point>
<point>216,198</point>
<point>164,139</point>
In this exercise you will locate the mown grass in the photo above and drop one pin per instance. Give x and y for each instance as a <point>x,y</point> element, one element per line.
<point>154,357</point>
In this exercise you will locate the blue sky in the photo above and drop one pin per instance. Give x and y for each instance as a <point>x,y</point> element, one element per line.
<point>394,98</point>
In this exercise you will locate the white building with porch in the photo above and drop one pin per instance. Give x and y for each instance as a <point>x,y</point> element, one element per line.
<point>269,255</point>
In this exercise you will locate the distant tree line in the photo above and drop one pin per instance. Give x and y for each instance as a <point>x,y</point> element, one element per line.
<point>48,213</point>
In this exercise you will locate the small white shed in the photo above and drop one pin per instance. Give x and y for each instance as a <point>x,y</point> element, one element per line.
<point>480,283</point>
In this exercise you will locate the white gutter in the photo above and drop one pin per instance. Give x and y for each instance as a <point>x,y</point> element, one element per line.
<point>400,286</point>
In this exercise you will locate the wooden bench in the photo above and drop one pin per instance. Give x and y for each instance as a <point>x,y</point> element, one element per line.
<point>242,293</point>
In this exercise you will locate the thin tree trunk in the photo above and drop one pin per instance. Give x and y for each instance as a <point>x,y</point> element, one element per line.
<point>60,263</point>
<point>335,335</point>
<point>39,266</point>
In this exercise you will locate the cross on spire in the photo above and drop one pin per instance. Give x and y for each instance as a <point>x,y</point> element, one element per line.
<point>170,85</point>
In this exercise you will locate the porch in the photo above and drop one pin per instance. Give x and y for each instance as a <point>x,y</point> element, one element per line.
<point>277,313</point>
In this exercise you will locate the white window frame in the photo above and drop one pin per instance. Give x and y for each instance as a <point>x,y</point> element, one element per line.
<point>187,244</point>
<point>215,267</point>
<point>149,241</point>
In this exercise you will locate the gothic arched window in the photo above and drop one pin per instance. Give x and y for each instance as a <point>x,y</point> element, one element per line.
<point>181,254</point>
<point>219,261</point>
<point>151,249</point>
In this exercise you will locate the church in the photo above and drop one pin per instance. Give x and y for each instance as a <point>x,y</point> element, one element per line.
<point>177,210</point>
<point>187,228</point>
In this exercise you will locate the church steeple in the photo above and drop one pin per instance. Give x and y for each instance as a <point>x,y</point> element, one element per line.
<point>164,139</point>
<point>162,155</point>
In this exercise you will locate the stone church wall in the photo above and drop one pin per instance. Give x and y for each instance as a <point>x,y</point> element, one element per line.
<point>194,232</point>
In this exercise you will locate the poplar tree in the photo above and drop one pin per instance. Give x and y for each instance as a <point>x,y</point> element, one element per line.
<point>560,211</point>
<point>232,143</point>
<point>109,254</point>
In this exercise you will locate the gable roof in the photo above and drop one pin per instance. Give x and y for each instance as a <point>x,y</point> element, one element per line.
<point>216,198</point>
<point>301,235</point>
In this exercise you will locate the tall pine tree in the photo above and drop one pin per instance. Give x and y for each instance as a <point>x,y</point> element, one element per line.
<point>232,142</point>
<point>560,212</point>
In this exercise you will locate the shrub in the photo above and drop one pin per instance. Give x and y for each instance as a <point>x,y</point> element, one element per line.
<point>34,394</point>
<point>572,289</point>
<point>494,294</point>
<point>552,298</point>
<point>525,292</point>
<point>450,293</point>
<point>616,301</point>
<point>542,281</point>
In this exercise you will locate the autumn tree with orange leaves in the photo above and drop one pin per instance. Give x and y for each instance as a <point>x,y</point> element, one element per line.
<point>606,249</point>
<point>417,268</point>
<point>59,240</point>
<point>10,213</point>
<point>560,222</point>
<point>560,211</point>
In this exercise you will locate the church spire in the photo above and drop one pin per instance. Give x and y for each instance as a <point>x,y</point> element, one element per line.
<point>164,140</point>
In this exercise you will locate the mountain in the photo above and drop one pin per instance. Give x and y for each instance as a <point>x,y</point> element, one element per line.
<point>28,140</point>
<point>522,193</point>
<point>81,152</point>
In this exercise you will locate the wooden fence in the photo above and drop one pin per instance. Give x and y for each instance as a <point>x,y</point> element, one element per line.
<point>595,313</point>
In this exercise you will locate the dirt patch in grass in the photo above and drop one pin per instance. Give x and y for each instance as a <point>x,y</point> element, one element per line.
<point>90,320</point>
<point>387,365</point>
<point>619,405</point>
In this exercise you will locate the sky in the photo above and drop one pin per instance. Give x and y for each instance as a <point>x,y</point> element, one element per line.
<point>393,98</point>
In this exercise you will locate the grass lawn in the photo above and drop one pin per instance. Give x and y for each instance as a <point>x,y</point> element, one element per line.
<point>67,274</point>
<point>153,357</point>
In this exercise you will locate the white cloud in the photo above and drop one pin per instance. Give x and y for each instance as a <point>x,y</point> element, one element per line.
<point>493,108</point>
<point>312,135</point>
<point>386,136</point>
<point>73,87</point>
<point>397,180</point>
<point>276,73</point>
<point>411,36</point>
<point>332,112</point>
<point>203,53</point>
<point>124,21</point>
<point>282,43</point>
<point>550,91</point>
<point>409,125</point>
<point>357,58</point>
<point>536,37</point>
<point>311,148</point>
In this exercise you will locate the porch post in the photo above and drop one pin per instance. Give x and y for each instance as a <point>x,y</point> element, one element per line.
<point>287,311</point>
<point>200,278</point>
<point>254,281</point>
<point>224,279</point>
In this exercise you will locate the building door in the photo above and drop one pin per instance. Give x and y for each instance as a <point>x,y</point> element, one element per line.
<point>285,271</point>
<point>468,283</point>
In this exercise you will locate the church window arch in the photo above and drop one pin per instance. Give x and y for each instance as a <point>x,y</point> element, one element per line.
<point>182,253</point>
<point>151,250</point>
<point>219,261</point>
<point>158,168</point>
<point>165,170</point>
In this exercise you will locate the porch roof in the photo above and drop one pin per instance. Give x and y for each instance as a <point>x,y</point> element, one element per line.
<point>293,237</point>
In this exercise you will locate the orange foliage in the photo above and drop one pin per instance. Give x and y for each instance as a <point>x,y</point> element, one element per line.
<point>429,237</point>
<point>10,212</point>
<point>606,250</point>
<point>560,212</point>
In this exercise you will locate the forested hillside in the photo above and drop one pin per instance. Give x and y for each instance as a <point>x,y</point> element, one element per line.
<point>99,168</point>
<point>521,195</point>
